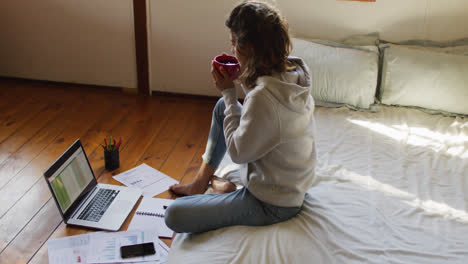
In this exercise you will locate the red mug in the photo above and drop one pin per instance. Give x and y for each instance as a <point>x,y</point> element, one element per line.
<point>229,63</point>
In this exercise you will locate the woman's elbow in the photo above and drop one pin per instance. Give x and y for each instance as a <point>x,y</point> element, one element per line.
<point>238,158</point>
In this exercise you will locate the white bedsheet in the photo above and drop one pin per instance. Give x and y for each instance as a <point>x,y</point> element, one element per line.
<point>392,187</point>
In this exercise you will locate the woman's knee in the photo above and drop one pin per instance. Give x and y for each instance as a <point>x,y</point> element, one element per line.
<point>174,217</point>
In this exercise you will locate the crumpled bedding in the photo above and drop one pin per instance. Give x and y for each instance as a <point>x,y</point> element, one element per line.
<point>392,187</point>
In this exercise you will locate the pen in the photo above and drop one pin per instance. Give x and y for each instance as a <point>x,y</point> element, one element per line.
<point>110,144</point>
<point>118,143</point>
<point>105,142</point>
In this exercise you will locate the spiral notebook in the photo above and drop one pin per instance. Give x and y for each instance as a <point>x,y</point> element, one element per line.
<point>150,216</point>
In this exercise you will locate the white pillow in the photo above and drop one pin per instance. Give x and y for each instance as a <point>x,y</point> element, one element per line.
<point>458,50</point>
<point>424,78</point>
<point>339,75</point>
<point>371,39</point>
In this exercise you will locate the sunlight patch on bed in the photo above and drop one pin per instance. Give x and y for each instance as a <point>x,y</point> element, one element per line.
<point>420,136</point>
<point>428,206</point>
<point>381,129</point>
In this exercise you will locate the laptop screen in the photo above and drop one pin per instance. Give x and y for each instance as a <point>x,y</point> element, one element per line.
<point>71,179</point>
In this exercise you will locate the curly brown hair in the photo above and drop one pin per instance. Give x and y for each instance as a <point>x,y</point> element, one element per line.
<point>261,31</point>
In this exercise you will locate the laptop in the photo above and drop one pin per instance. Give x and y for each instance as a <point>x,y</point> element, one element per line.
<point>81,200</point>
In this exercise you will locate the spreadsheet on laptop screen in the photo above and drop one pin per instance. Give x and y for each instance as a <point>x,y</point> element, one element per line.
<point>71,179</point>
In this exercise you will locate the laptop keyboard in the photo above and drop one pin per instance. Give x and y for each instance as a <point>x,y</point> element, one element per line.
<point>98,205</point>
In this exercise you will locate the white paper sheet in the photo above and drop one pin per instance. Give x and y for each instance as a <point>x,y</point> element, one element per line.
<point>146,178</point>
<point>68,250</point>
<point>150,216</point>
<point>105,247</point>
<point>162,251</point>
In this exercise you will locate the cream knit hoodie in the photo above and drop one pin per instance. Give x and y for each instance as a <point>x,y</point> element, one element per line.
<point>272,136</point>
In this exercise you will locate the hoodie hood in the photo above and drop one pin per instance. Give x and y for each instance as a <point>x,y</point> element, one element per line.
<point>291,88</point>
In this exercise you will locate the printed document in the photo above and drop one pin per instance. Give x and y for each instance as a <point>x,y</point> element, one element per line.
<point>68,250</point>
<point>146,178</point>
<point>104,247</point>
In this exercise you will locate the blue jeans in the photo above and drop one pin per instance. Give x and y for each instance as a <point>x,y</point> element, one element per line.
<point>216,145</point>
<point>204,212</point>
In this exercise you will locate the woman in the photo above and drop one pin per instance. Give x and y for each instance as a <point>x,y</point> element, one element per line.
<point>271,135</point>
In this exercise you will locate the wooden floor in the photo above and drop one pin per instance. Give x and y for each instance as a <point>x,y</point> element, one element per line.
<point>39,121</point>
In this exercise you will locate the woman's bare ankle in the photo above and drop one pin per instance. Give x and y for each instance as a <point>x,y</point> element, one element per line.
<point>195,187</point>
<point>221,185</point>
<point>199,184</point>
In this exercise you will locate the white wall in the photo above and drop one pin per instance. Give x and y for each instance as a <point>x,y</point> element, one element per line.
<point>396,20</point>
<point>79,41</point>
<point>92,41</point>
<point>186,35</point>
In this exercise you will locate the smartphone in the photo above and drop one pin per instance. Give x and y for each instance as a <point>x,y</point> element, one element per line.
<point>137,250</point>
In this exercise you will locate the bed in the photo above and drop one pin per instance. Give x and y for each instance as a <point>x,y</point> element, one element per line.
<point>391,187</point>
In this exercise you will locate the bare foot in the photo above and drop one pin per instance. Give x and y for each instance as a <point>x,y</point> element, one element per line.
<point>188,189</point>
<point>221,185</point>
<point>198,185</point>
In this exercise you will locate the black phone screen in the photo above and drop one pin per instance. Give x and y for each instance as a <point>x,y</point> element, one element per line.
<point>137,250</point>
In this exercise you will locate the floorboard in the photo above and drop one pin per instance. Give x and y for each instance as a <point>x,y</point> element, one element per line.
<point>39,120</point>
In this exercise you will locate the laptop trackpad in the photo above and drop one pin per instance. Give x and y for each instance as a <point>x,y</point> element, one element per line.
<point>121,207</point>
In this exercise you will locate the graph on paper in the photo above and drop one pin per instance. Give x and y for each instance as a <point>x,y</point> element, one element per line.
<point>105,247</point>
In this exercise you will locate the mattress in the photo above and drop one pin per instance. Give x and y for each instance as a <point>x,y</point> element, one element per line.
<point>391,187</point>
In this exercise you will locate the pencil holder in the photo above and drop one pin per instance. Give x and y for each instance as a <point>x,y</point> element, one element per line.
<point>111,159</point>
